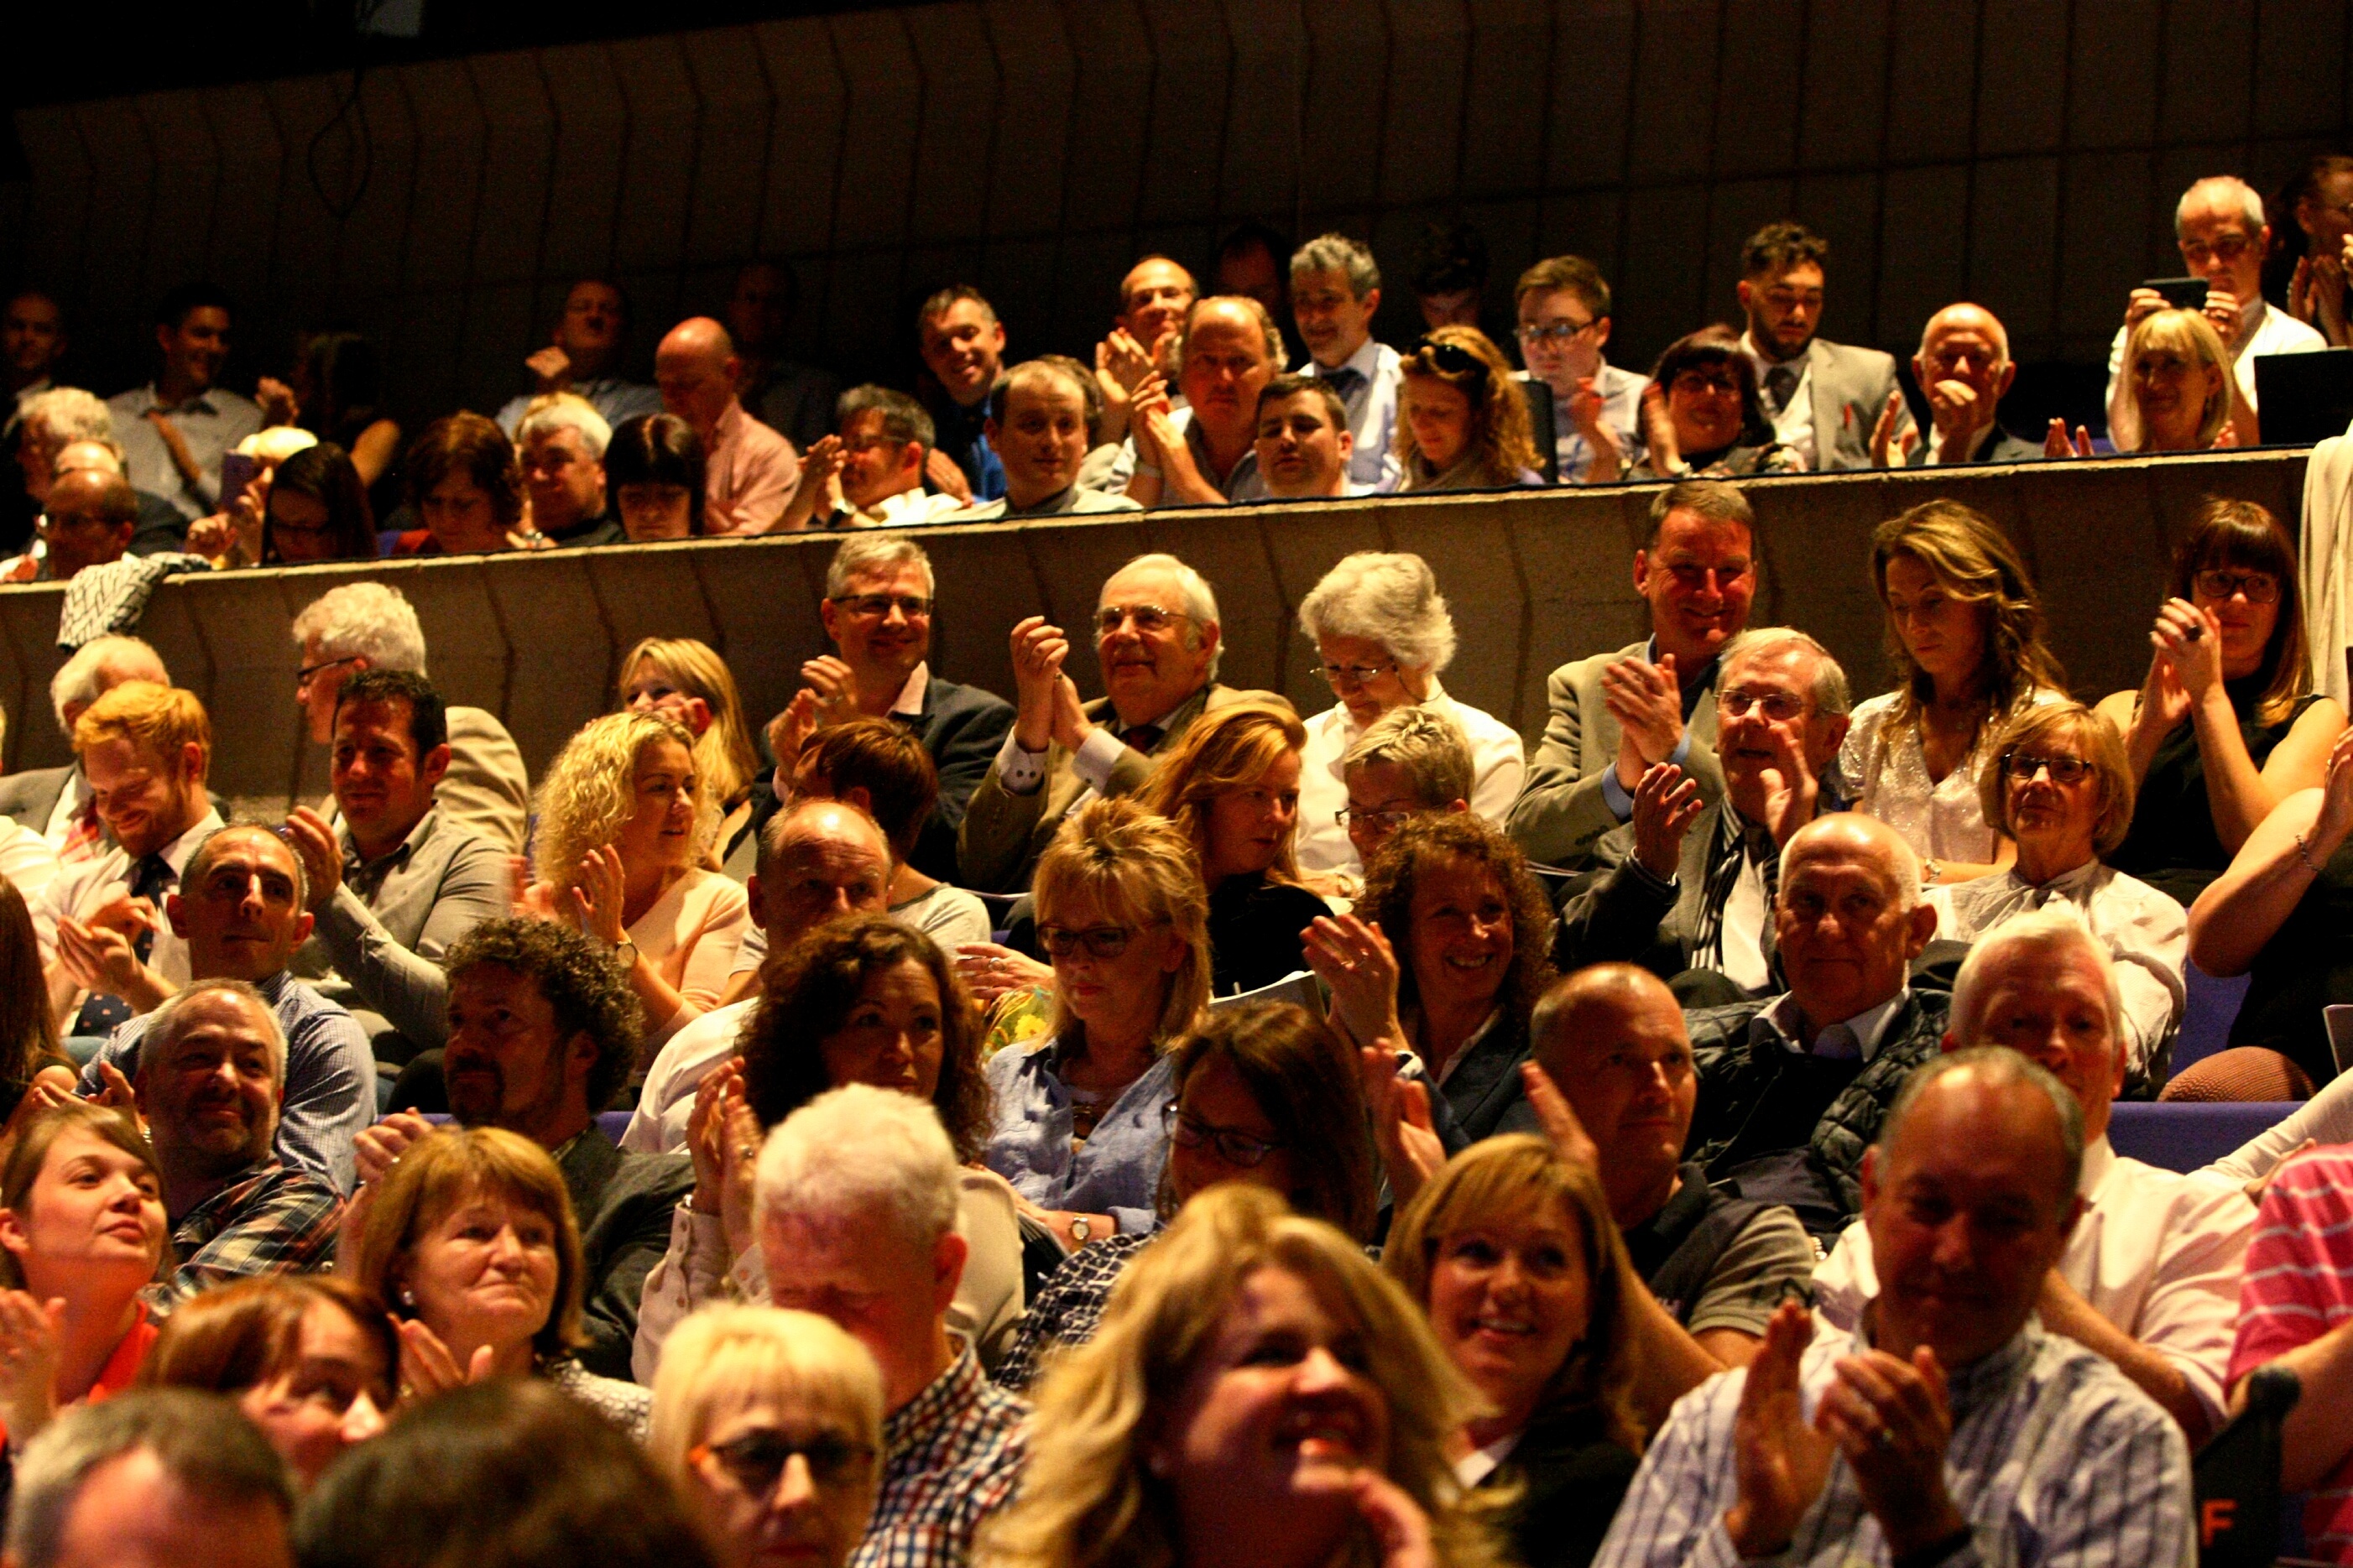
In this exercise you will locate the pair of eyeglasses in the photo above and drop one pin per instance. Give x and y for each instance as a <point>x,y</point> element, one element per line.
<point>1147,618</point>
<point>1356,674</point>
<point>2064,770</point>
<point>1234,1147</point>
<point>1380,821</point>
<point>1449,359</point>
<point>2229,248</point>
<point>1556,334</point>
<point>302,676</point>
<point>1778,706</point>
<point>913,607</point>
<point>2261,587</point>
<point>1695,381</point>
<point>756,1460</point>
<point>1101,942</point>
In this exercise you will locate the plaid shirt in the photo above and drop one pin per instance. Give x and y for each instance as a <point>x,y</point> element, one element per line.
<point>1068,1306</point>
<point>952,1457</point>
<point>273,1220</point>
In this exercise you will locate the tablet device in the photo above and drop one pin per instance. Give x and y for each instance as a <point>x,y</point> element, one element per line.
<point>2303,398</point>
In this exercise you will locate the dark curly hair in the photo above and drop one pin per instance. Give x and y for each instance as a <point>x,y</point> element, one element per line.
<point>586,986</point>
<point>1428,839</point>
<point>809,992</point>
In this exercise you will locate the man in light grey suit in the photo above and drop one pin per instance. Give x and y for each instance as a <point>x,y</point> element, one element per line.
<point>1825,399</point>
<point>56,801</point>
<point>1617,715</point>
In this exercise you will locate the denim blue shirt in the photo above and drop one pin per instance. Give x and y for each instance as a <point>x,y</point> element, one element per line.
<point>1116,1172</point>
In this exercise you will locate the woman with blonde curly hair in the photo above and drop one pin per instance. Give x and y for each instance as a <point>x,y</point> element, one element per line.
<point>1462,420</point>
<point>1965,634</point>
<point>1511,1230</point>
<point>684,679</point>
<point>1231,785</point>
<point>1080,1119</point>
<point>624,828</point>
<point>1257,1388</point>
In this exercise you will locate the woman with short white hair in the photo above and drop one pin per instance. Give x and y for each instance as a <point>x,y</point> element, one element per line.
<point>1383,631</point>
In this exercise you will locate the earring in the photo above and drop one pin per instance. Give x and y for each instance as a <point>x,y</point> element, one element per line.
<point>407,1297</point>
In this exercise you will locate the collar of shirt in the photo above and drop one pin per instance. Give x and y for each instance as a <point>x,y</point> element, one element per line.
<point>910,701</point>
<point>1351,731</point>
<point>2250,321</point>
<point>178,852</point>
<point>1782,1020</point>
<point>396,855</point>
<point>916,1424</point>
<point>1700,682</point>
<point>1480,1463</point>
<point>728,430</point>
<point>1245,466</point>
<point>201,403</point>
<point>1764,361</point>
<point>1984,1380</point>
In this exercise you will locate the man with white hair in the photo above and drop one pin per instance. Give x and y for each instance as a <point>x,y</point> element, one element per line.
<point>64,429</point>
<point>1157,640</point>
<point>56,803</point>
<point>562,442</point>
<point>1964,369</point>
<point>2151,1277</point>
<point>367,626</point>
<point>2220,228</point>
<point>856,1202</point>
<point>749,471</point>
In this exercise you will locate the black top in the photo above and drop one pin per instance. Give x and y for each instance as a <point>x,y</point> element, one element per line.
<point>2172,844</point>
<point>1572,1479</point>
<point>1254,930</point>
<point>1676,1249</point>
<point>2307,965</point>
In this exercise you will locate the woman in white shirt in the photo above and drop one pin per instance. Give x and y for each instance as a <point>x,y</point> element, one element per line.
<point>1383,631</point>
<point>1965,634</point>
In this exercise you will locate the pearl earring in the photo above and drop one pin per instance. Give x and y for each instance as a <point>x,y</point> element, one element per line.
<point>407,1297</point>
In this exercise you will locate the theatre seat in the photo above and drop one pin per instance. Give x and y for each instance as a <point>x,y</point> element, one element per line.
<point>2183,1135</point>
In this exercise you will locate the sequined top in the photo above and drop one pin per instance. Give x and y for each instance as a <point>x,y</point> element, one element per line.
<point>1887,778</point>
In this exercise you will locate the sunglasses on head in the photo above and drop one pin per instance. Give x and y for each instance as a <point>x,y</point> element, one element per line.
<point>1449,359</point>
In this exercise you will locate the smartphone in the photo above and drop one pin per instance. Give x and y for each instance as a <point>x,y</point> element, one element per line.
<point>238,470</point>
<point>2181,293</point>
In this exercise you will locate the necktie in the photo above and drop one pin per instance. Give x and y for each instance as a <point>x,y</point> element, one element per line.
<point>1838,1044</point>
<point>101,1014</point>
<point>1143,737</point>
<point>1345,381</point>
<point>1780,385</point>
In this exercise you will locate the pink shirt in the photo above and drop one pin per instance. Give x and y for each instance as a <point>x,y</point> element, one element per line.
<point>749,476</point>
<point>2298,1286</point>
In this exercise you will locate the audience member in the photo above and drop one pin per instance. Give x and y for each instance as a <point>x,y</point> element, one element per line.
<point>795,401</point>
<point>1382,632</point>
<point>1252,260</point>
<point>1157,640</point>
<point>2150,1275</point>
<point>861,1000</point>
<point>2177,392</point>
<point>1444,959</point>
<point>745,1395</point>
<point>685,681</point>
<point>1964,370</point>
<point>1154,300</point>
<point>32,341</point>
<point>1039,429</point>
<point>1231,787</point>
<point>543,1028</point>
<point>56,803</point>
<point>1205,453</point>
<point>30,1053</point>
<point>749,471</point>
<point>1686,888</point>
<point>1262,1093</point>
<point>871,473</point>
<point>86,520</point>
<point>1703,416</point>
<point>1409,760</point>
<point>1564,324</point>
<point>40,429</point>
<point>2318,205</point>
<point>1827,401</point>
<point>175,430</point>
<point>963,347</point>
<point>336,392</point>
<point>368,626</point>
<point>2056,784</point>
<point>159,528</point>
<point>1970,1432</point>
<point>1465,420</point>
<point>856,1202</point>
<point>1335,292</point>
<point>1616,716</point>
<point>160,1476</point>
<point>1965,634</point>
<point>1304,444</point>
<point>2226,724</point>
<point>318,510</point>
<point>1450,275</point>
<point>2219,227</point>
<point>1244,1307</point>
<point>563,441</point>
<point>232,537</point>
<point>311,1360</point>
<point>654,470</point>
<point>465,488</point>
<point>1122,916</point>
<point>582,357</point>
<point>882,768</point>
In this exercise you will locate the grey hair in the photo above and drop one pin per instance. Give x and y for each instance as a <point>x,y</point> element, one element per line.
<point>1392,600</point>
<point>567,411</point>
<point>365,620</point>
<point>80,680</point>
<point>1997,1067</point>
<point>1200,600</point>
<point>903,419</point>
<point>68,413</point>
<point>2054,928</point>
<point>860,1154</point>
<point>1429,746</point>
<point>167,1023</point>
<point>1338,253</point>
<point>1830,692</point>
<point>2250,202</point>
<point>202,1441</point>
<point>872,554</point>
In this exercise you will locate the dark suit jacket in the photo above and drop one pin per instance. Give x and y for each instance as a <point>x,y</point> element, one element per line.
<point>2004,447</point>
<point>1572,1479</point>
<point>1624,916</point>
<point>29,797</point>
<point>623,1202</point>
<point>1561,810</point>
<point>963,726</point>
<point>1484,1083</point>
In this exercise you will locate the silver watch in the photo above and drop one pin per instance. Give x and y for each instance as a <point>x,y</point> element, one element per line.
<point>1082,1230</point>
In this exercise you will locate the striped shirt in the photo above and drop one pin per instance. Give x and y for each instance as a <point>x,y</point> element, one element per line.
<point>2055,1459</point>
<point>2298,1286</point>
<point>952,1455</point>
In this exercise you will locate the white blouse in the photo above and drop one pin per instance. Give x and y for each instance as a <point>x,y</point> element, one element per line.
<point>1498,762</point>
<point>1888,778</point>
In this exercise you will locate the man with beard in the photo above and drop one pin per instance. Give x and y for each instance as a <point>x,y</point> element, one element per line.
<point>210,1076</point>
<point>1833,404</point>
<point>240,908</point>
<point>542,1031</point>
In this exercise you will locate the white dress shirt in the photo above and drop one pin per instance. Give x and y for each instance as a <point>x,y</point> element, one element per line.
<point>910,508</point>
<point>1372,405</point>
<point>25,858</point>
<point>2269,332</point>
<point>79,889</point>
<point>1793,427</point>
<point>667,1101</point>
<point>1498,762</point>
<point>2157,1254</point>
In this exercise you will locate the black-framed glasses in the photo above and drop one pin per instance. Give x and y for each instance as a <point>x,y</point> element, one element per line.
<point>1146,617</point>
<point>2064,770</point>
<point>756,1460</point>
<point>1553,334</point>
<point>1449,359</point>
<point>914,606</point>
<point>1778,706</point>
<point>1355,674</point>
<point>1101,942</point>
<point>302,676</point>
<point>1235,1147</point>
<point>2261,587</point>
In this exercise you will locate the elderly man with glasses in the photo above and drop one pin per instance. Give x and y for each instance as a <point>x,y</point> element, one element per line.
<point>1158,640</point>
<point>1564,304</point>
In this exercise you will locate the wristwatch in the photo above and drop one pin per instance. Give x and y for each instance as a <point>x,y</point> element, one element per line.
<point>1082,1230</point>
<point>626,950</point>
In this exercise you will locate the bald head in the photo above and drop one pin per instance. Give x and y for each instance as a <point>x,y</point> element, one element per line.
<point>92,456</point>
<point>819,860</point>
<point>89,517</point>
<point>696,367</point>
<point>1849,919</point>
<point>1964,370</point>
<point>1612,1039</point>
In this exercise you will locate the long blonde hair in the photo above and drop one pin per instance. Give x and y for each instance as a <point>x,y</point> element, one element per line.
<point>1974,563</point>
<point>1230,749</point>
<point>590,792</point>
<point>1088,1498</point>
<point>1137,869</point>
<point>724,760</point>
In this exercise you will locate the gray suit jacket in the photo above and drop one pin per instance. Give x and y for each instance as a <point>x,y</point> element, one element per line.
<point>1561,812</point>
<point>486,788</point>
<point>1626,916</point>
<point>1850,388</point>
<point>29,798</point>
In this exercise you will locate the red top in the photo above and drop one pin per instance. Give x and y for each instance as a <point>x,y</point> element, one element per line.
<point>122,1367</point>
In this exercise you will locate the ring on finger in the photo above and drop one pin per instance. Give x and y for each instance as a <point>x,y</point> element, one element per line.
<point>1884,1439</point>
